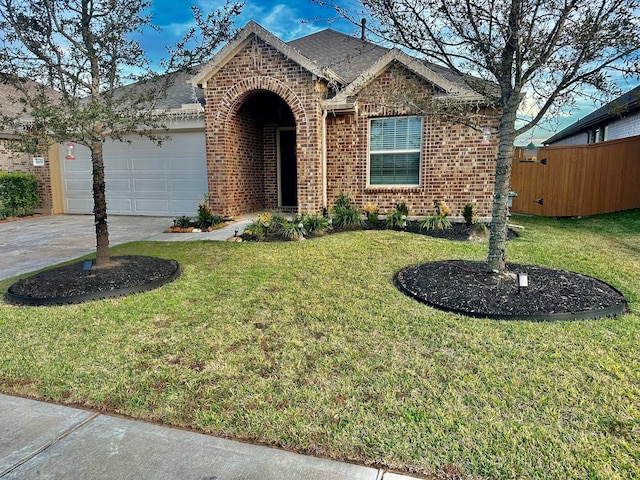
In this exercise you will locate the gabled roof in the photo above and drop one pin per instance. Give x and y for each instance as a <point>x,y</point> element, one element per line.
<point>339,58</point>
<point>251,30</point>
<point>346,55</point>
<point>625,103</point>
<point>397,56</point>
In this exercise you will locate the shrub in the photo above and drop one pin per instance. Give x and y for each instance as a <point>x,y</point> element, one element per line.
<point>439,221</point>
<point>315,223</point>
<point>470,214</point>
<point>372,212</point>
<point>182,222</point>
<point>261,226</point>
<point>290,229</point>
<point>344,214</point>
<point>206,218</point>
<point>18,194</point>
<point>398,218</point>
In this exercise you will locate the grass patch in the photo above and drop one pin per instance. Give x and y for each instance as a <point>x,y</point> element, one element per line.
<point>308,346</point>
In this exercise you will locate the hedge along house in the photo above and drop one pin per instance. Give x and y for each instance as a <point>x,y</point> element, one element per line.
<point>291,125</point>
<point>12,160</point>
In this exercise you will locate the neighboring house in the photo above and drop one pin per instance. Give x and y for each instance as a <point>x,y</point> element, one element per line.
<point>617,119</point>
<point>12,160</point>
<point>291,125</point>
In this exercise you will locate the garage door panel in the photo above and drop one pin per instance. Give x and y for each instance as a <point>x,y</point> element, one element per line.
<point>78,205</point>
<point>119,205</point>
<point>75,185</point>
<point>114,185</point>
<point>183,206</point>
<point>150,185</point>
<point>117,165</point>
<point>141,178</point>
<point>148,164</point>
<point>187,185</point>
<point>151,205</point>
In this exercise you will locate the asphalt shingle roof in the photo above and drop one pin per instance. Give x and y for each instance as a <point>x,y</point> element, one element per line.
<point>624,103</point>
<point>347,56</point>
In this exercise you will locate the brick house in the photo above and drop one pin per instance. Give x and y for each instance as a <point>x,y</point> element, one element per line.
<point>269,125</point>
<point>14,161</point>
<point>291,125</point>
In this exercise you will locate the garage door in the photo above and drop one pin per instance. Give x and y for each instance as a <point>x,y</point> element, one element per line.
<point>141,178</point>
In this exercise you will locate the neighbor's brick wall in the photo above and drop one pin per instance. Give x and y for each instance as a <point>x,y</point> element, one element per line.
<point>456,167</point>
<point>11,161</point>
<point>258,67</point>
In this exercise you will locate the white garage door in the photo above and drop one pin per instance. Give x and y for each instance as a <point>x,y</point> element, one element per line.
<point>141,178</point>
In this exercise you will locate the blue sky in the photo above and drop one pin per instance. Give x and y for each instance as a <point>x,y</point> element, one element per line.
<point>289,19</point>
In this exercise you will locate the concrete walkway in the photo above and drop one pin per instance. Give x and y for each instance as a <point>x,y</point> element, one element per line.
<point>42,440</point>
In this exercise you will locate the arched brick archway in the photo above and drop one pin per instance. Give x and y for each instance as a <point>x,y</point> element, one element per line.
<point>253,125</point>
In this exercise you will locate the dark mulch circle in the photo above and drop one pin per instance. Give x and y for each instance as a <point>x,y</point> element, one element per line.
<point>465,287</point>
<point>124,275</point>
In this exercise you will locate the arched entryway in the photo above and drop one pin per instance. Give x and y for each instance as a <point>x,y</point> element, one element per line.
<point>261,154</point>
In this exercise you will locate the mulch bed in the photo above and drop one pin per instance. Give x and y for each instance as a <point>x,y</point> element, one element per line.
<point>124,275</point>
<point>459,232</point>
<point>466,287</point>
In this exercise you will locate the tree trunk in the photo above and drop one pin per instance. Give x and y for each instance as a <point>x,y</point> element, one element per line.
<point>499,216</point>
<point>100,204</point>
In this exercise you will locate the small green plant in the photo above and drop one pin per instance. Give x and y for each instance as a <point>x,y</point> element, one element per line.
<point>344,214</point>
<point>182,222</point>
<point>470,214</point>
<point>398,218</point>
<point>290,229</point>
<point>372,212</point>
<point>439,221</point>
<point>315,223</point>
<point>206,218</point>
<point>261,226</point>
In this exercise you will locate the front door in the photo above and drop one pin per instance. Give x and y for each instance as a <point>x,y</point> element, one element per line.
<point>287,171</point>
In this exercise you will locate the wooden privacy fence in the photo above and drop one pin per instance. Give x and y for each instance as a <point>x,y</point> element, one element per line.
<point>577,180</point>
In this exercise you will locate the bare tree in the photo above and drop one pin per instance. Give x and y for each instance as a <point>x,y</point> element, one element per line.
<point>547,51</point>
<point>86,51</point>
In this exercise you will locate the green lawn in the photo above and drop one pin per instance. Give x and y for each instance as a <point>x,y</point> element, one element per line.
<point>309,346</point>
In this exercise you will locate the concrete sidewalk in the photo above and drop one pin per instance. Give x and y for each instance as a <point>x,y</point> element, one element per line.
<point>33,244</point>
<point>42,440</point>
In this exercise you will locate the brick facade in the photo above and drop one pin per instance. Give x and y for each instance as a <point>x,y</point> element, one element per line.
<point>241,154</point>
<point>12,161</point>
<point>242,119</point>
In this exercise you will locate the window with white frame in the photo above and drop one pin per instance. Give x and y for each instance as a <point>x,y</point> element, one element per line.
<point>394,150</point>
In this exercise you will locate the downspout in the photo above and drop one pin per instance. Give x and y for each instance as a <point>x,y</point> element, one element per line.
<point>324,158</point>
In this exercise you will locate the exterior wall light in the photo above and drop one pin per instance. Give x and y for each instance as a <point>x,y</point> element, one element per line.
<point>486,136</point>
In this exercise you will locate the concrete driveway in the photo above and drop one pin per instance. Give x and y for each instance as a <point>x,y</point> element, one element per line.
<point>33,244</point>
